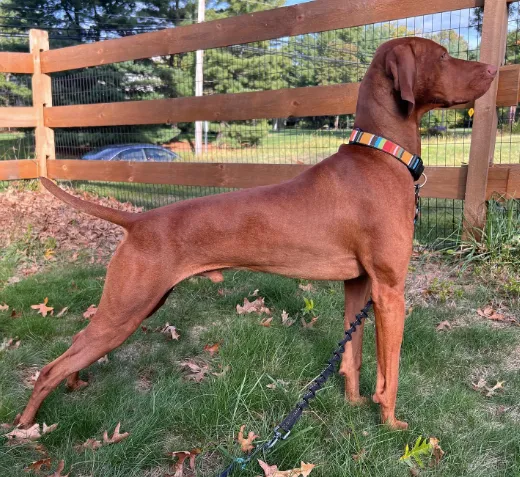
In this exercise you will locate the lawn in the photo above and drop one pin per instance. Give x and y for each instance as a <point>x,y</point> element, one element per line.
<point>144,387</point>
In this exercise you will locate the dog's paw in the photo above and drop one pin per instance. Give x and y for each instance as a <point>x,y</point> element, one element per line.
<point>396,425</point>
<point>77,385</point>
<point>357,400</point>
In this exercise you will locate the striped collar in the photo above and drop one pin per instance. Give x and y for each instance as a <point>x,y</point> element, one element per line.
<point>412,161</point>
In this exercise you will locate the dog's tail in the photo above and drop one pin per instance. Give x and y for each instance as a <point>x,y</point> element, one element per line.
<point>112,215</point>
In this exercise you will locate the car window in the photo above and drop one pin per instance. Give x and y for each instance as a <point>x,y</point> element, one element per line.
<point>160,155</point>
<point>130,155</point>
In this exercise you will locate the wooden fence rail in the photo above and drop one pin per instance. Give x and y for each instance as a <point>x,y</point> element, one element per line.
<point>475,184</point>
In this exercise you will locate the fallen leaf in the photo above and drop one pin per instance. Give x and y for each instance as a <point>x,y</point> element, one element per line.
<point>491,391</point>
<point>443,325</point>
<point>59,470</point>
<point>409,312</point>
<point>30,380</point>
<point>168,329</point>
<point>246,444</point>
<point>25,435</point>
<point>360,455</point>
<point>49,254</point>
<point>62,312</point>
<point>9,344</point>
<point>266,321</point>
<point>181,457</point>
<point>39,465</point>
<point>16,314</point>
<point>198,372</point>
<point>42,308</point>
<point>255,293</point>
<point>4,307</point>
<point>272,470</point>
<point>256,306</point>
<point>90,312</point>
<point>311,323</point>
<point>277,383</point>
<point>437,452</point>
<point>490,313</point>
<point>307,288</point>
<point>103,359</point>
<point>212,349</point>
<point>46,429</point>
<point>286,321</point>
<point>116,436</point>
<point>479,385</point>
<point>91,444</point>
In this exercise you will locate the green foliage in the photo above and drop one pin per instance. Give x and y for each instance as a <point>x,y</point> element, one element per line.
<point>500,239</point>
<point>421,448</point>
<point>13,92</point>
<point>309,306</point>
<point>248,134</point>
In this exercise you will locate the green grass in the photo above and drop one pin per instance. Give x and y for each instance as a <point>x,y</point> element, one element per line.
<point>479,434</point>
<point>16,145</point>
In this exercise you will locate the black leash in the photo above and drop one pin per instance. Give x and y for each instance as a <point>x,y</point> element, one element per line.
<point>282,431</point>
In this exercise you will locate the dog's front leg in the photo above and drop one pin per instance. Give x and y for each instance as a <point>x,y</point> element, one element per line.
<point>389,317</point>
<point>357,292</point>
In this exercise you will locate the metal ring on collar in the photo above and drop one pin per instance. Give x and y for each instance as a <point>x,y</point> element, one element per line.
<point>425,181</point>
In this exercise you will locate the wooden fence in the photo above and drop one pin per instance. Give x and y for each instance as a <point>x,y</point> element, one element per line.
<point>474,183</point>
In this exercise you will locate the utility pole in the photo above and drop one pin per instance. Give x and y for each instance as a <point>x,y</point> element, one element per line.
<point>199,78</point>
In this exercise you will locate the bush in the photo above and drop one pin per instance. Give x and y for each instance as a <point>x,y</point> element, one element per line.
<point>248,134</point>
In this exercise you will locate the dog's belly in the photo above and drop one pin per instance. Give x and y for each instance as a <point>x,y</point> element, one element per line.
<point>345,269</point>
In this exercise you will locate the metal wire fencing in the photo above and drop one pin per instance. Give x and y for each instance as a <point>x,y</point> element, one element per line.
<point>340,56</point>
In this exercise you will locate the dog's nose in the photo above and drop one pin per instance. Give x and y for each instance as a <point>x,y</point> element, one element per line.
<point>492,70</point>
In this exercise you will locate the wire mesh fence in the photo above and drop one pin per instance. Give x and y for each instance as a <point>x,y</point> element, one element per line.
<point>340,56</point>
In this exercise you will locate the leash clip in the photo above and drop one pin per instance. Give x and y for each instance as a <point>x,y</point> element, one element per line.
<point>420,186</point>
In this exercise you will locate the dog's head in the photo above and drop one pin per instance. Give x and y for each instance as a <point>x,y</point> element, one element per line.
<point>424,76</point>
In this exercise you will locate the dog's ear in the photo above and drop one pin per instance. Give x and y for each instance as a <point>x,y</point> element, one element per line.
<point>400,65</point>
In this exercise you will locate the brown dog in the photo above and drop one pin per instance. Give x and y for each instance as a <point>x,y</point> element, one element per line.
<point>348,218</point>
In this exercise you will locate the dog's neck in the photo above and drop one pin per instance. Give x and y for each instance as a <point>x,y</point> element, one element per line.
<point>381,112</point>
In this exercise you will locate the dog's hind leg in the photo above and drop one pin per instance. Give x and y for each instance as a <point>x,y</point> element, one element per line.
<point>357,292</point>
<point>127,300</point>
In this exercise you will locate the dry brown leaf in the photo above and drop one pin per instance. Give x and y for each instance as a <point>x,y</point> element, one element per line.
<point>16,314</point>
<point>443,325</point>
<point>437,452</point>
<point>49,254</point>
<point>25,435</point>
<point>311,323</point>
<point>255,293</point>
<point>491,391</point>
<point>272,470</point>
<point>46,429</point>
<point>490,313</point>
<point>116,436</point>
<point>170,330</point>
<point>307,288</point>
<point>103,360</point>
<point>42,308</point>
<point>181,457</point>
<point>360,455</point>
<point>256,306</point>
<point>59,470</point>
<point>212,349</point>
<point>4,307</point>
<point>286,321</point>
<point>198,372</point>
<point>39,465</point>
<point>91,444</point>
<point>62,312</point>
<point>246,444</point>
<point>90,312</point>
<point>9,344</point>
<point>266,321</point>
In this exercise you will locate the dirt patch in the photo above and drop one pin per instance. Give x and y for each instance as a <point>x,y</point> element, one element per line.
<point>44,226</point>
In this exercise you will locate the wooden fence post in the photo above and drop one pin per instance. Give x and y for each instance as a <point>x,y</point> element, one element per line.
<point>483,135</point>
<point>42,97</point>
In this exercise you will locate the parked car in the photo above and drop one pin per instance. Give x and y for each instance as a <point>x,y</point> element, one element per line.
<point>131,152</point>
